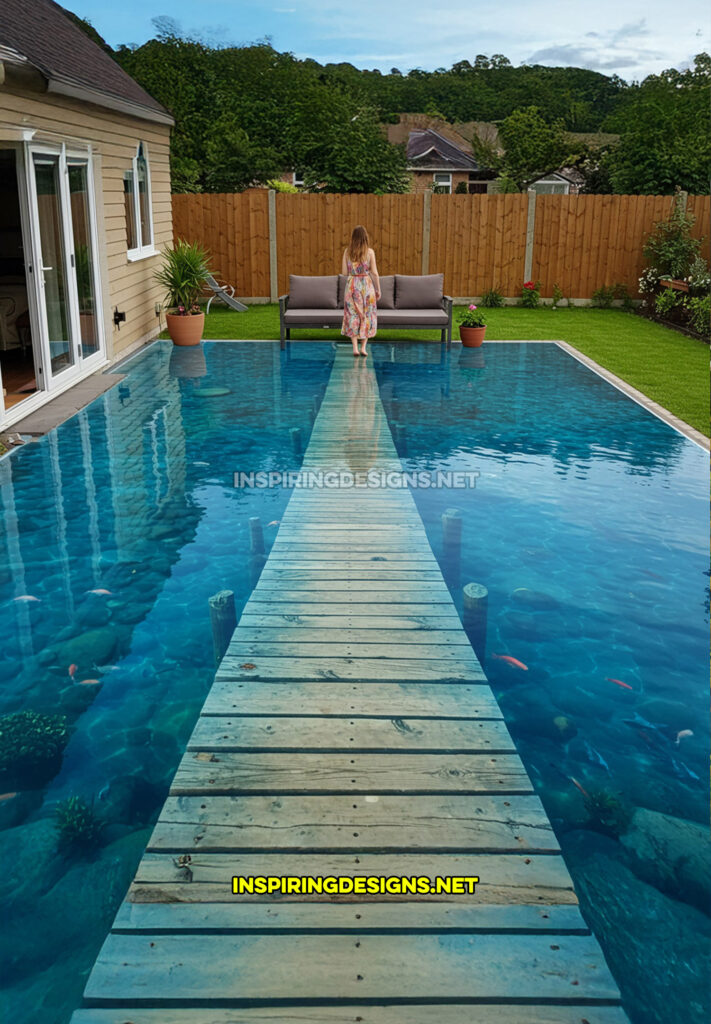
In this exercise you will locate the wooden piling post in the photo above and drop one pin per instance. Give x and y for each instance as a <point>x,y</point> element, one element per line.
<point>452,528</point>
<point>296,440</point>
<point>223,620</point>
<point>400,438</point>
<point>475,601</point>
<point>256,536</point>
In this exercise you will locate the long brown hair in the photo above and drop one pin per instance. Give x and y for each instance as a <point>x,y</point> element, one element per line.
<point>358,245</point>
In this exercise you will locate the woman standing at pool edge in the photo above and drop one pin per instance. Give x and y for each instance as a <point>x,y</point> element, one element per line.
<point>360,315</point>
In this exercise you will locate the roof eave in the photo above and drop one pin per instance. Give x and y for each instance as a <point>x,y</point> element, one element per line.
<point>74,90</point>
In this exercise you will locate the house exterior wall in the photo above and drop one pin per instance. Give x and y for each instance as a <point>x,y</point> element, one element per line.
<point>422,180</point>
<point>114,138</point>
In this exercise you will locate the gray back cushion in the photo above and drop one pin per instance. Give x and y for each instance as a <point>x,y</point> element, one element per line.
<point>418,292</point>
<point>387,292</point>
<point>341,288</point>
<point>313,292</point>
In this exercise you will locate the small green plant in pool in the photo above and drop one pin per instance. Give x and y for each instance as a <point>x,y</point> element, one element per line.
<point>76,824</point>
<point>31,746</point>
<point>607,813</point>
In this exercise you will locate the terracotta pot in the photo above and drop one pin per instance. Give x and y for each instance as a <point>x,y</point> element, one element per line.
<point>185,330</point>
<point>676,285</point>
<point>472,337</point>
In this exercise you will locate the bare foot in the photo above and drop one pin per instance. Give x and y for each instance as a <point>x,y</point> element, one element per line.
<point>363,353</point>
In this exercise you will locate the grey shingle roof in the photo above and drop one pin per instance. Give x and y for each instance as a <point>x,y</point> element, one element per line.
<point>41,31</point>
<point>428,148</point>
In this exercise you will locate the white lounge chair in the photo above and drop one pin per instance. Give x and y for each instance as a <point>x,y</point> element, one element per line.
<point>225,292</point>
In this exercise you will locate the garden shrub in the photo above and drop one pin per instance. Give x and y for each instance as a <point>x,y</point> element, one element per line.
<point>666,301</point>
<point>670,248</point>
<point>699,310</point>
<point>492,298</point>
<point>531,294</point>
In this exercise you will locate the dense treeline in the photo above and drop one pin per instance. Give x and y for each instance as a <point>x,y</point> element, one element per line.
<point>243,114</point>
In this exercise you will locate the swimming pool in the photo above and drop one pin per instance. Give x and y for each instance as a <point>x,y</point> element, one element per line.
<point>587,525</point>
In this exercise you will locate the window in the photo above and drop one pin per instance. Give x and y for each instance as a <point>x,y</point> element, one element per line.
<point>551,186</point>
<point>298,179</point>
<point>442,183</point>
<point>137,204</point>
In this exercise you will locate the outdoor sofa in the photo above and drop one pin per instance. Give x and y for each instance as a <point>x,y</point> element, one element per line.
<point>409,302</point>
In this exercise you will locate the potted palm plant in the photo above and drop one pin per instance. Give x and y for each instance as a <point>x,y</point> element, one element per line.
<point>183,275</point>
<point>472,327</point>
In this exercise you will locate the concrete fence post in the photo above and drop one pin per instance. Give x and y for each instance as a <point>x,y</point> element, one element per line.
<point>273,268</point>
<point>530,232</point>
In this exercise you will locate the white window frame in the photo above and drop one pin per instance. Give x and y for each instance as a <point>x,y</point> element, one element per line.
<point>141,251</point>
<point>552,187</point>
<point>443,180</point>
<point>297,179</point>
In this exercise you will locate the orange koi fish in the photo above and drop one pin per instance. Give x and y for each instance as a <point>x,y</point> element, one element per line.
<point>7,796</point>
<point>101,591</point>
<point>89,682</point>
<point>618,682</point>
<point>26,597</point>
<point>578,786</point>
<point>511,661</point>
<point>72,670</point>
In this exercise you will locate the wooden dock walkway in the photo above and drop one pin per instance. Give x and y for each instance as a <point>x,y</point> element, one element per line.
<point>350,731</point>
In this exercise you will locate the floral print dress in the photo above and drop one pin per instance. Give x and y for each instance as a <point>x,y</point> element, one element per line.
<point>360,315</point>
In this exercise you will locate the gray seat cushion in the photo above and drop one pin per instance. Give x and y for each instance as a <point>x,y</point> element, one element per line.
<point>421,291</point>
<point>412,318</point>
<point>313,292</point>
<point>311,317</point>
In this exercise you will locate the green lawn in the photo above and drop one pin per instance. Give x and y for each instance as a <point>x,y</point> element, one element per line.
<point>670,368</point>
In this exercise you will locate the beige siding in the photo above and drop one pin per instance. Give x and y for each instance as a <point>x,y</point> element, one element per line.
<point>114,138</point>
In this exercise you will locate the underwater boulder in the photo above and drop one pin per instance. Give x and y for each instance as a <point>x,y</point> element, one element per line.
<point>672,854</point>
<point>94,647</point>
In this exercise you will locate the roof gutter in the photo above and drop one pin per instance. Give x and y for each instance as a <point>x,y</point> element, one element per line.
<point>65,87</point>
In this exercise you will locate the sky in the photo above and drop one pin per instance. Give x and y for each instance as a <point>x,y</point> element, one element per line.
<point>630,38</point>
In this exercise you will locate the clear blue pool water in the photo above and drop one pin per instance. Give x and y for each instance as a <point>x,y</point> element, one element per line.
<point>588,525</point>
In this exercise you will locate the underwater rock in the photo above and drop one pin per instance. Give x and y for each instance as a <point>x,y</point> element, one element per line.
<point>640,928</point>
<point>95,647</point>
<point>671,853</point>
<point>535,599</point>
<point>30,865</point>
<point>93,613</point>
<point>128,800</point>
<point>131,614</point>
<point>565,727</point>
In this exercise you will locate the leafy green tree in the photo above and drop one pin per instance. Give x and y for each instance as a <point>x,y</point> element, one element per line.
<point>665,138</point>
<point>532,148</point>
<point>234,162</point>
<point>356,157</point>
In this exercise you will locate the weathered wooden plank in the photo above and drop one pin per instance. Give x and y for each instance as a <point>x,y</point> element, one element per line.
<point>347,668</point>
<point>425,916</point>
<point>287,556</point>
<point>242,646</point>
<point>231,773</point>
<point>373,573</point>
<point>343,621</point>
<point>535,879</point>
<point>171,968</point>
<point>280,823</point>
<point>316,697</point>
<point>442,1013</point>
<point>355,594</point>
<point>358,734</point>
<point>422,590</point>
<point>433,638</point>
<point>353,611</point>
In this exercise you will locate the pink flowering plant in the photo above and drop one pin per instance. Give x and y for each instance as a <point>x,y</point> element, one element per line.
<point>471,317</point>
<point>531,294</point>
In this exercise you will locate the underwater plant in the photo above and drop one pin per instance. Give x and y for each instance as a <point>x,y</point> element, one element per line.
<point>31,746</point>
<point>76,823</point>
<point>607,812</point>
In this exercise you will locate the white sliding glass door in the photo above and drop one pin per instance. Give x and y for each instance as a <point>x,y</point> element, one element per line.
<point>65,272</point>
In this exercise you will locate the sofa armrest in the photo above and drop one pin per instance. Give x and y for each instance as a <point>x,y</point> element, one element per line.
<point>283,304</point>
<point>447,302</point>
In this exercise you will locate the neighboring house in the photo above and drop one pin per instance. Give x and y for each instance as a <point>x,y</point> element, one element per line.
<point>437,163</point>
<point>564,182</point>
<point>85,206</point>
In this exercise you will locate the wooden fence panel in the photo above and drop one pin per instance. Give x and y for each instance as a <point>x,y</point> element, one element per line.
<point>313,230</point>
<point>478,242</point>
